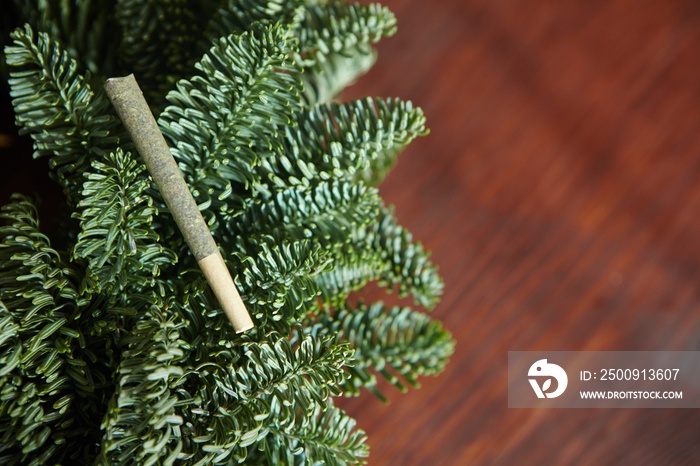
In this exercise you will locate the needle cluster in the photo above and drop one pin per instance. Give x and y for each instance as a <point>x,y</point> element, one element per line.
<point>112,348</point>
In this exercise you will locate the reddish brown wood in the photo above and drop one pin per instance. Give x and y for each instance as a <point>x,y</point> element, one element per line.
<point>559,191</point>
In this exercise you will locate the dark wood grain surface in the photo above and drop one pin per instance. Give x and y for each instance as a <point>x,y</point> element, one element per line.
<point>559,191</point>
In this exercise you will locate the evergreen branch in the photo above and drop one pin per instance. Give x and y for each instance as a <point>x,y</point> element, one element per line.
<point>160,39</point>
<point>277,278</point>
<point>55,105</point>
<point>357,140</point>
<point>242,15</point>
<point>352,268</point>
<point>336,45</point>
<point>284,182</point>
<point>142,424</point>
<point>327,213</point>
<point>385,339</point>
<point>338,27</point>
<point>335,38</point>
<point>82,27</point>
<point>225,118</point>
<point>382,251</point>
<point>329,437</point>
<point>308,372</point>
<point>410,270</point>
<point>46,385</point>
<point>277,382</point>
<point>116,236</point>
<point>400,123</point>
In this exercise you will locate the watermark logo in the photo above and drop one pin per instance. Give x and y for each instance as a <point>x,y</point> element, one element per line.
<point>603,379</point>
<point>544,371</point>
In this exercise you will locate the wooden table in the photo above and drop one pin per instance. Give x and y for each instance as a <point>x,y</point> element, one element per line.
<point>559,191</point>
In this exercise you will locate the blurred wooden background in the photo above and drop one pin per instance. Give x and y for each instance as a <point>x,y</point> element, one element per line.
<point>559,191</point>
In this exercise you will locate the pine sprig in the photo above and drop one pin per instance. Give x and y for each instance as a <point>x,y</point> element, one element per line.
<point>382,251</point>
<point>55,104</point>
<point>225,118</point>
<point>116,237</point>
<point>308,371</point>
<point>330,438</point>
<point>79,26</point>
<point>410,269</point>
<point>356,140</point>
<point>353,267</point>
<point>328,213</point>
<point>278,279</point>
<point>338,27</point>
<point>143,425</point>
<point>335,38</point>
<point>397,342</point>
<point>336,45</point>
<point>279,388</point>
<point>115,351</point>
<point>46,383</point>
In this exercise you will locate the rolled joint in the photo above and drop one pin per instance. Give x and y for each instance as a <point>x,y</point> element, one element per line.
<point>224,289</point>
<point>133,110</point>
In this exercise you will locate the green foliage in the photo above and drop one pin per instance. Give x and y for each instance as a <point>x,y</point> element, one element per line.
<point>142,424</point>
<point>225,118</point>
<point>409,267</point>
<point>46,381</point>
<point>55,104</point>
<point>279,279</point>
<point>80,26</point>
<point>275,398</point>
<point>396,341</point>
<point>335,45</point>
<point>159,39</point>
<point>329,437</point>
<point>113,350</point>
<point>383,251</point>
<point>355,140</point>
<point>115,236</point>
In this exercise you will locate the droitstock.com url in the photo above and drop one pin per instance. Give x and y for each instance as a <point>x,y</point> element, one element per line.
<point>630,395</point>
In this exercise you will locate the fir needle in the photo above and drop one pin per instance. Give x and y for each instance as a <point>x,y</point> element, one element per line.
<point>131,106</point>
